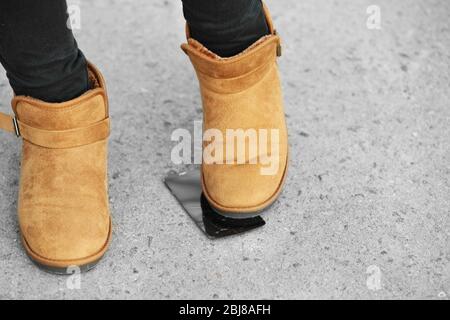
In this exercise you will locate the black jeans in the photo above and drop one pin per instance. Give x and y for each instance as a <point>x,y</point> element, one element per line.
<point>39,52</point>
<point>226,27</point>
<point>42,59</point>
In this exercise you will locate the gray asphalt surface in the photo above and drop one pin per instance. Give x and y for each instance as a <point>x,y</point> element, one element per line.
<point>365,211</point>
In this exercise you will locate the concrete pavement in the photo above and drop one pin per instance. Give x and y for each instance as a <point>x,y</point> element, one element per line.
<point>365,211</point>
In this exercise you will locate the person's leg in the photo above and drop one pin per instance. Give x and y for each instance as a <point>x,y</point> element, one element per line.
<point>241,91</point>
<point>226,27</point>
<point>39,52</point>
<point>63,209</point>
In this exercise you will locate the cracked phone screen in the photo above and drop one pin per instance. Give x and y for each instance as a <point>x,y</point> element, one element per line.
<point>187,190</point>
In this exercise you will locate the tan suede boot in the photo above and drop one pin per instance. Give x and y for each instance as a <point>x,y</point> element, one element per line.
<point>63,198</point>
<point>242,92</point>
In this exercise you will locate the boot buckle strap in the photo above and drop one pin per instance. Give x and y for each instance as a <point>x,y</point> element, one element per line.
<point>66,139</point>
<point>59,139</point>
<point>9,124</point>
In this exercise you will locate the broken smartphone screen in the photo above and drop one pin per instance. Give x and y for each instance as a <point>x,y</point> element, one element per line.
<point>187,189</point>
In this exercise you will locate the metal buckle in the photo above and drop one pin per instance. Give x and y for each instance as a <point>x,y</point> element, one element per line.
<point>279,50</point>
<point>16,126</point>
<point>279,47</point>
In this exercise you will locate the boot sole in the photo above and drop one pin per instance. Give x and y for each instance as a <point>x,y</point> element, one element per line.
<point>250,214</point>
<point>242,216</point>
<point>73,266</point>
<point>65,271</point>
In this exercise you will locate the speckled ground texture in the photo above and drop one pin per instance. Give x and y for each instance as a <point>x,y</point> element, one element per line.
<point>368,191</point>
